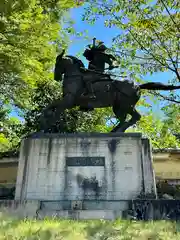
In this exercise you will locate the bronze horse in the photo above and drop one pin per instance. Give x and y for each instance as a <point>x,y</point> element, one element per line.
<point>122,96</point>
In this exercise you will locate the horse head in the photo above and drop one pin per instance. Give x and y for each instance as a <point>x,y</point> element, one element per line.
<point>66,64</point>
<point>59,67</point>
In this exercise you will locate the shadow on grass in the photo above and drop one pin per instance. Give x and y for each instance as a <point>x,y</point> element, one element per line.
<point>102,230</point>
<point>126,230</point>
<point>7,223</point>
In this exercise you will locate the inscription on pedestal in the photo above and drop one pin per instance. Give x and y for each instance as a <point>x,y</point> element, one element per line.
<point>85,161</point>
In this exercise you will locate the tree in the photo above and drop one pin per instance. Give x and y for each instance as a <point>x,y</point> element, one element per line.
<point>148,42</point>
<point>172,114</point>
<point>159,131</point>
<point>10,130</point>
<point>31,34</point>
<point>149,34</point>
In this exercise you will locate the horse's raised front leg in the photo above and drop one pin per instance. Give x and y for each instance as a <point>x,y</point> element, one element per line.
<point>135,117</point>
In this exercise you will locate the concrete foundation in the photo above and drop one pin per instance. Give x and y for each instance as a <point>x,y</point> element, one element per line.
<point>74,168</point>
<point>19,209</point>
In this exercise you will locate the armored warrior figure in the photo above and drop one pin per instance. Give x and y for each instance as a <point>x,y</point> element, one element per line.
<point>97,59</point>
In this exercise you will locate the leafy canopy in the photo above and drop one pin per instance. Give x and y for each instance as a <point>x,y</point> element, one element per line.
<point>147,43</point>
<point>31,34</point>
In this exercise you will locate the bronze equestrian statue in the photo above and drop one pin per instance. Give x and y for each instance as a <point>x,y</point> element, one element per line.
<point>122,96</point>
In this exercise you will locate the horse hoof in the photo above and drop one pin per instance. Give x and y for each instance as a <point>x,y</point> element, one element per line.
<point>120,130</point>
<point>34,134</point>
<point>113,130</point>
<point>92,97</point>
<point>86,109</point>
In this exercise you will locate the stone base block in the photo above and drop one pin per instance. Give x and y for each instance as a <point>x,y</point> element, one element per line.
<point>82,214</point>
<point>19,209</point>
<point>85,166</point>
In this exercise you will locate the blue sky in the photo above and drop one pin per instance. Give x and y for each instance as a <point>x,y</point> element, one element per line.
<point>101,33</point>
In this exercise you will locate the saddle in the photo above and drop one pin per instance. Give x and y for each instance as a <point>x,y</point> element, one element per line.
<point>90,74</point>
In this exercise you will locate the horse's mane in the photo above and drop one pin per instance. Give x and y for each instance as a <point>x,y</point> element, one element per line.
<point>76,60</point>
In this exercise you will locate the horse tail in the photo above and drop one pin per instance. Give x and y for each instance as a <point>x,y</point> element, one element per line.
<point>158,86</point>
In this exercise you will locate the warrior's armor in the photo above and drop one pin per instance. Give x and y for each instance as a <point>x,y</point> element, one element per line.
<point>97,58</point>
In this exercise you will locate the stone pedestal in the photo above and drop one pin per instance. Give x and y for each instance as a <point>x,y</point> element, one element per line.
<point>85,168</point>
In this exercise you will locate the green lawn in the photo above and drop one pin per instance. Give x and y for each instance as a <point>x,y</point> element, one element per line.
<point>81,230</point>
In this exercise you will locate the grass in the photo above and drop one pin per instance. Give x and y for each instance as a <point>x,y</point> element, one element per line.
<point>12,229</point>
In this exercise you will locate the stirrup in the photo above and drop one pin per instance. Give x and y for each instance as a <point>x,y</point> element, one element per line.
<point>92,96</point>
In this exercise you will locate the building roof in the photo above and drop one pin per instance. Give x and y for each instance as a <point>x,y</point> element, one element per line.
<point>166,150</point>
